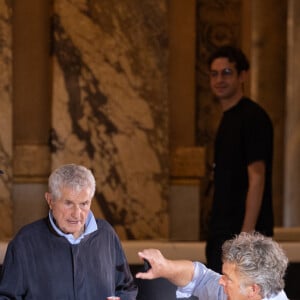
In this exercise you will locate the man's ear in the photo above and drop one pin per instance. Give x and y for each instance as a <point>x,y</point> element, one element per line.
<point>254,291</point>
<point>244,76</point>
<point>48,199</point>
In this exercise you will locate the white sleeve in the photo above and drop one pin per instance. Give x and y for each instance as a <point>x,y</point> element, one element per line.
<point>187,290</point>
<point>204,285</point>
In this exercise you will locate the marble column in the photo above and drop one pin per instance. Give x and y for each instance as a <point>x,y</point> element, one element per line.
<point>182,34</point>
<point>187,160</point>
<point>268,79</point>
<point>31,107</point>
<point>5,118</point>
<point>292,129</point>
<point>110,107</point>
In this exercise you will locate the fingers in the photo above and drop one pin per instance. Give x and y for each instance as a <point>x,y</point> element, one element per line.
<point>151,255</point>
<point>141,254</point>
<point>145,275</point>
<point>154,257</point>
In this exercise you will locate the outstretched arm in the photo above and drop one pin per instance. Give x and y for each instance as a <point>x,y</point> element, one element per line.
<point>179,272</point>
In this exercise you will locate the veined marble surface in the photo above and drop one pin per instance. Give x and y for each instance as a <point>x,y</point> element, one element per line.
<point>5,117</point>
<point>110,109</point>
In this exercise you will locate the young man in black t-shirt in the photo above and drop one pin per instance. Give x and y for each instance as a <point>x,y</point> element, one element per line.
<point>243,157</point>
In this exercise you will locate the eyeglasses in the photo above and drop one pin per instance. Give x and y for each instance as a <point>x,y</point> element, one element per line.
<point>227,72</point>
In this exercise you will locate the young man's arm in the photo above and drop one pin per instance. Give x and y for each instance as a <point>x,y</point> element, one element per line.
<point>256,182</point>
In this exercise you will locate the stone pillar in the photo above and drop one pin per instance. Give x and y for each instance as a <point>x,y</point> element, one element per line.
<point>292,130</point>
<point>187,161</point>
<point>110,107</point>
<point>268,79</point>
<point>182,34</point>
<point>31,102</point>
<point>187,169</point>
<point>5,118</point>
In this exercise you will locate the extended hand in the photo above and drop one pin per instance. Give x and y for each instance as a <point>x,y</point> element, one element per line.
<point>159,264</point>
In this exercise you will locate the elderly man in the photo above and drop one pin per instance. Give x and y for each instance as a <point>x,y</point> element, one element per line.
<point>69,254</point>
<point>253,269</point>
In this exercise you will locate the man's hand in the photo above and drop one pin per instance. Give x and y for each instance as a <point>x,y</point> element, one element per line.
<point>159,264</point>
<point>179,272</point>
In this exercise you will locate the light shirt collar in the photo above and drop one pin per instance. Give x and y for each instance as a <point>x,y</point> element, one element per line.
<point>280,296</point>
<point>90,226</point>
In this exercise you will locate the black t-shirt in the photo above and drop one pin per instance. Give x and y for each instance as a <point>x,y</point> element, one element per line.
<point>245,135</point>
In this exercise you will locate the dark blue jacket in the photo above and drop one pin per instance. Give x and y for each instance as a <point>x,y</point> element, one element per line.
<point>39,264</point>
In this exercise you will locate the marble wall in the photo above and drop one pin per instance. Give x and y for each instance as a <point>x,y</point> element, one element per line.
<point>5,118</point>
<point>119,73</point>
<point>110,107</point>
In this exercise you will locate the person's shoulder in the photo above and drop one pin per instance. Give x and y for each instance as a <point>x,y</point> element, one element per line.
<point>251,104</point>
<point>106,229</point>
<point>32,228</point>
<point>104,225</point>
<point>253,108</point>
<point>29,232</point>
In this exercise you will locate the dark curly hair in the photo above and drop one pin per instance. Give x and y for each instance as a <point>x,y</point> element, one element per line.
<point>234,55</point>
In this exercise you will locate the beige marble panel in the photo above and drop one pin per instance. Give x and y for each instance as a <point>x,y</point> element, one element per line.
<point>185,210</point>
<point>5,118</point>
<point>110,109</point>
<point>292,126</point>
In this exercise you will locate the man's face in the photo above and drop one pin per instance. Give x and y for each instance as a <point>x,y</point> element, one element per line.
<point>70,211</point>
<point>231,282</point>
<point>225,82</point>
